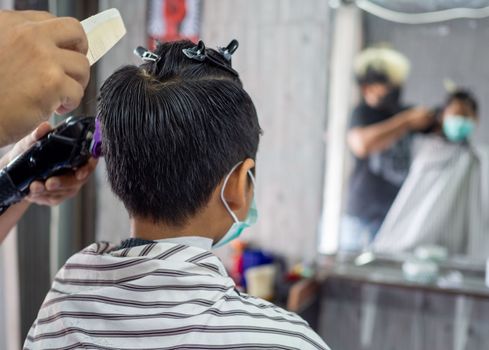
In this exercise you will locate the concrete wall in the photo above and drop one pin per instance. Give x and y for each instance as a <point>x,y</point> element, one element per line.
<point>6,4</point>
<point>9,294</point>
<point>456,50</point>
<point>283,62</point>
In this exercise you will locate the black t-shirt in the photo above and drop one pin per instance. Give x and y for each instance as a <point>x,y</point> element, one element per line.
<point>376,180</point>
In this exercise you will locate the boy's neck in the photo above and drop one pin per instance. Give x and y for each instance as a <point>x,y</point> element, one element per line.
<point>212,221</point>
<point>145,229</point>
<point>207,223</point>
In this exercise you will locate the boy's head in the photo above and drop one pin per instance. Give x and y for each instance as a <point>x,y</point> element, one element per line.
<point>459,116</point>
<point>172,130</point>
<point>461,103</point>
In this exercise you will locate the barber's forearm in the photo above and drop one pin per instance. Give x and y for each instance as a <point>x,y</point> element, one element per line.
<point>10,218</point>
<point>377,137</point>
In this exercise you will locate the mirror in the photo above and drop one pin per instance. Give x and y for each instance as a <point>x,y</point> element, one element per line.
<point>412,171</point>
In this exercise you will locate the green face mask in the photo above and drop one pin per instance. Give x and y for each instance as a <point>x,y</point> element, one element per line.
<point>458,128</point>
<point>238,226</point>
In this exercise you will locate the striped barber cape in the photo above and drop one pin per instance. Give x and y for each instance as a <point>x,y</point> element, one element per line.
<point>444,201</point>
<point>158,296</point>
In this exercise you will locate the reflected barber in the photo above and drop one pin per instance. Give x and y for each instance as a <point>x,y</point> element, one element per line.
<point>380,136</point>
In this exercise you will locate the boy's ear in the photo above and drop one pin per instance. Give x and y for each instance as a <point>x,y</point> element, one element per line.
<point>239,185</point>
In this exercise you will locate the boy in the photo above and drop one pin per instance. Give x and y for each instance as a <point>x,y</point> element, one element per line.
<point>180,137</point>
<point>444,200</point>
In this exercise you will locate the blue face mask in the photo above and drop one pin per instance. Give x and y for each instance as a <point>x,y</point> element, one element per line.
<point>458,128</point>
<point>238,226</point>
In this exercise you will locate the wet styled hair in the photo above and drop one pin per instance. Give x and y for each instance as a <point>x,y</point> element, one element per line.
<point>172,130</point>
<point>464,96</point>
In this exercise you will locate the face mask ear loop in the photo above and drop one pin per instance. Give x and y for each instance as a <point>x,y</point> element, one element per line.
<point>252,179</point>
<point>235,218</point>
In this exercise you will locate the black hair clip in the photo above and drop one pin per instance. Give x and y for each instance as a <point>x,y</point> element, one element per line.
<point>146,55</point>
<point>228,51</point>
<point>199,53</point>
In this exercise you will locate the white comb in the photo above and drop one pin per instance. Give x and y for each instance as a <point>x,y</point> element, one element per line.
<point>103,31</point>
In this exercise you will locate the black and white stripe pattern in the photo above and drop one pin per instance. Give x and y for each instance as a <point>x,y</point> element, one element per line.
<point>443,201</point>
<point>159,296</point>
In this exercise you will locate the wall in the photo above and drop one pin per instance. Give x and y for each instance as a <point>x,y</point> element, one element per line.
<point>346,42</point>
<point>456,50</point>
<point>283,62</point>
<point>9,294</point>
<point>6,4</point>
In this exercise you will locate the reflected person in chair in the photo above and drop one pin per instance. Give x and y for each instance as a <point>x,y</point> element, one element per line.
<point>379,138</point>
<point>445,198</point>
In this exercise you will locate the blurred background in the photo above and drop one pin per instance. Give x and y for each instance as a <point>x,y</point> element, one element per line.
<point>296,61</point>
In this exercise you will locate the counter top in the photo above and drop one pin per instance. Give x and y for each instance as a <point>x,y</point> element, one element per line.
<point>457,276</point>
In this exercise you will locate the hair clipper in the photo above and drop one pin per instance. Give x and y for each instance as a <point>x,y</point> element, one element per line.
<point>67,147</point>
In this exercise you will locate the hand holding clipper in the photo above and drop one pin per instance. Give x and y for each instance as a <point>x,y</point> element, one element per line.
<point>66,148</point>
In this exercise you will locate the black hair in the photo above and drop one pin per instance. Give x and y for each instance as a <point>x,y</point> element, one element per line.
<point>172,130</point>
<point>464,96</point>
<point>373,76</point>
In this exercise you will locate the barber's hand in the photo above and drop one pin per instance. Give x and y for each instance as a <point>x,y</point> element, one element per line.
<point>43,68</point>
<point>419,118</point>
<point>57,188</point>
<point>24,144</point>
